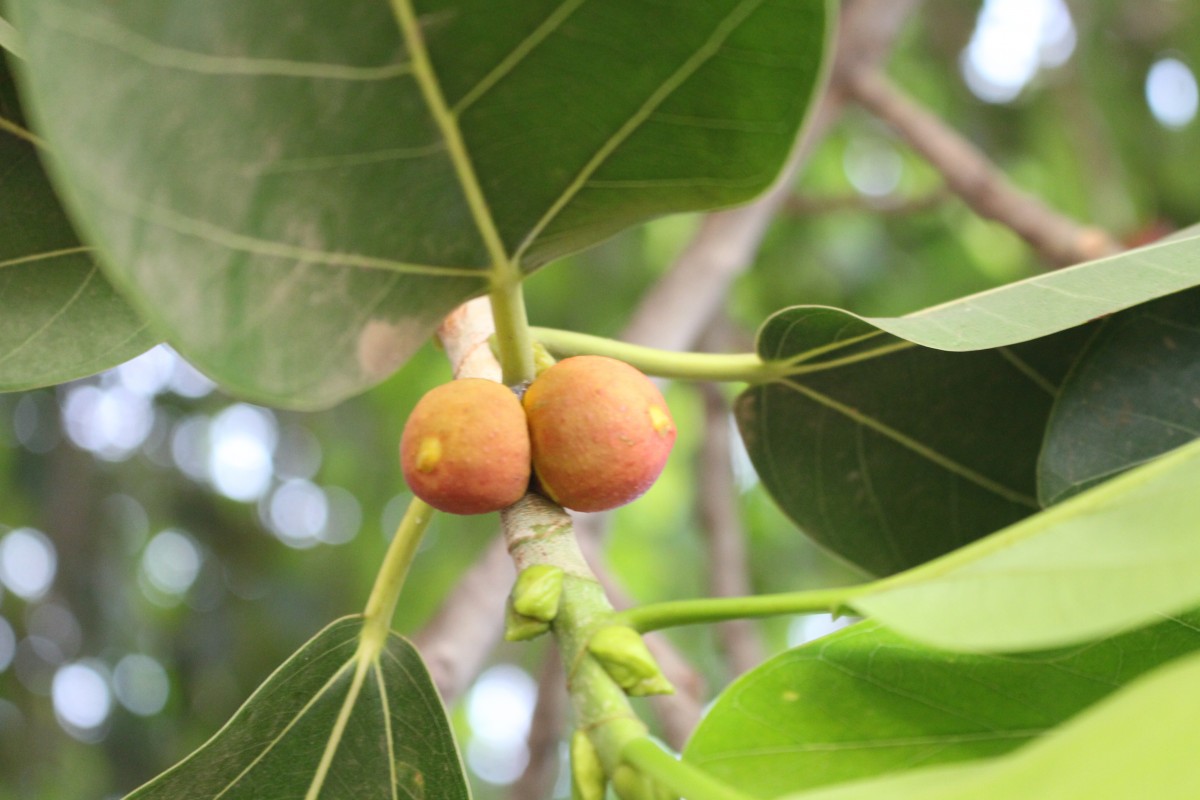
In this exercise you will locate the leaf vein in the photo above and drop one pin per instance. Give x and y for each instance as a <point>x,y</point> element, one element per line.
<point>689,67</point>
<point>109,34</point>
<point>920,449</point>
<point>518,54</point>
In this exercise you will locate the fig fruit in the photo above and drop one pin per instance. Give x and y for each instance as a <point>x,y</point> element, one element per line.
<point>600,430</point>
<point>465,447</point>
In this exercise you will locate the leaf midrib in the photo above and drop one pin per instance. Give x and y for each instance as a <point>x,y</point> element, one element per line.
<point>943,461</point>
<point>502,267</point>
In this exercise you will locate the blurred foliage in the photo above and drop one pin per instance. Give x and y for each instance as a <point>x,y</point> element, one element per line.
<point>1080,136</point>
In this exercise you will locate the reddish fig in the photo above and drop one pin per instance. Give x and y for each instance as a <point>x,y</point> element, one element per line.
<point>465,447</point>
<point>601,432</point>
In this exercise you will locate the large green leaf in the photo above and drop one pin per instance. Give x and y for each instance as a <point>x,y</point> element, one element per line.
<point>1131,396</point>
<point>59,318</point>
<point>889,453</point>
<point>865,702</point>
<point>1135,744</point>
<point>1106,560</point>
<point>298,191</point>
<point>331,723</point>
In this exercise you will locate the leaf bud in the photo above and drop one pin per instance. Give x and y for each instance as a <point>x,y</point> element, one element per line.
<point>587,773</point>
<point>626,659</point>
<point>537,592</point>
<point>519,628</point>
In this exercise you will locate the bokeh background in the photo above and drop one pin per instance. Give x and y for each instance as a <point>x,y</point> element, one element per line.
<point>164,546</point>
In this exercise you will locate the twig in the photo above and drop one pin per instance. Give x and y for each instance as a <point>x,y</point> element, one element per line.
<point>808,205</point>
<point>728,570</point>
<point>677,712</point>
<point>545,732</point>
<point>968,172</point>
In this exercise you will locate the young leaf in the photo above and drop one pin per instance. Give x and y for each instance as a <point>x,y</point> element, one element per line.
<point>865,702</point>
<point>330,723</point>
<point>297,195</point>
<point>1131,397</point>
<point>891,454</point>
<point>1109,559</point>
<point>59,317</point>
<point>1134,744</point>
<point>1055,301</point>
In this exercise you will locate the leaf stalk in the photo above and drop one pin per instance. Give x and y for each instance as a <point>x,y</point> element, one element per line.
<point>743,367</point>
<point>678,776</point>
<point>381,604</point>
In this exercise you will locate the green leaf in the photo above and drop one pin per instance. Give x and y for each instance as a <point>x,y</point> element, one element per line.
<point>59,317</point>
<point>1134,744</point>
<point>865,702</point>
<point>890,454</point>
<point>1055,301</point>
<point>1132,396</point>
<point>333,722</point>
<point>297,193</point>
<point>1109,559</point>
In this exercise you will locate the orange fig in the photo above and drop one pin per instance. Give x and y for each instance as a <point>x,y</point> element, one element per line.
<point>465,448</point>
<point>600,430</point>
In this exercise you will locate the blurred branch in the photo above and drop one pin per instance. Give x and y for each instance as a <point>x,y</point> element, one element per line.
<point>457,641</point>
<point>729,572</point>
<point>545,731</point>
<point>675,311</point>
<point>808,205</point>
<point>968,172</point>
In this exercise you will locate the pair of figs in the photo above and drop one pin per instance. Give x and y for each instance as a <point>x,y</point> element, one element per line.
<point>594,430</point>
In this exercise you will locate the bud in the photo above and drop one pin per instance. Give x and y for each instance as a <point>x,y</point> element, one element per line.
<point>587,773</point>
<point>537,592</point>
<point>519,628</point>
<point>623,654</point>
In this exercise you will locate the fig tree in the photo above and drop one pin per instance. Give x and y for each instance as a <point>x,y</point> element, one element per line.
<point>600,432</point>
<point>465,447</point>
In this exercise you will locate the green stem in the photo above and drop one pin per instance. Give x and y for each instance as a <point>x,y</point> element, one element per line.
<point>655,616</point>
<point>539,532</point>
<point>746,367</point>
<point>513,341</point>
<point>381,605</point>
<point>678,776</point>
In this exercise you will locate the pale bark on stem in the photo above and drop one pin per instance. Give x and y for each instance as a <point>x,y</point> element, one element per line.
<point>973,177</point>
